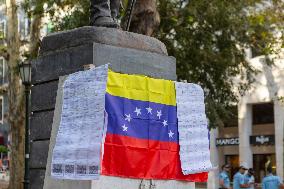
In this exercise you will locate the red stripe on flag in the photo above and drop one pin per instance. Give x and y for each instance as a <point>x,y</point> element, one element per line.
<point>148,159</point>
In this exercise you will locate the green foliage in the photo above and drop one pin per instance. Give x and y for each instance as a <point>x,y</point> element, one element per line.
<point>281,99</point>
<point>3,149</point>
<point>77,15</point>
<point>208,39</point>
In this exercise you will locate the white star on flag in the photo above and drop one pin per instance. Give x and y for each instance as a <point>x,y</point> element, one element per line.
<point>165,123</point>
<point>171,134</point>
<point>149,110</point>
<point>137,111</point>
<point>159,114</point>
<point>124,127</point>
<point>128,117</point>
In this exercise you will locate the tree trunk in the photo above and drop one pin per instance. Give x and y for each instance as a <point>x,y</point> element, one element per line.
<point>16,100</point>
<point>145,17</point>
<point>35,35</point>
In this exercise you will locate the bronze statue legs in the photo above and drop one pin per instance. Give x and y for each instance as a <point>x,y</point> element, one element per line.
<point>104,13</point>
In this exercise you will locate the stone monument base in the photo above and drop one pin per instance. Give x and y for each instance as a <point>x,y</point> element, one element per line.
<point>67,52</point>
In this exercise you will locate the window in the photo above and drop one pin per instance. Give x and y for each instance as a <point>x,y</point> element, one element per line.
<point>2,29</point>
<point>263,113</point>
<point>260,163</point>
<point>2,70</point>
<point>1,109</point>
<point>232,160</point>
<point>23,25</point>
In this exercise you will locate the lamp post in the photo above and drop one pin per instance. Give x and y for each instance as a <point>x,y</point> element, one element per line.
<point>25,73</point>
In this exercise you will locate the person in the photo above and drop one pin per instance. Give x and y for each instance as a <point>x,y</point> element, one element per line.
<point>271,181</point>
<point>239,178</point>
<point>224,179</point>
<point>104,13</point>
<point>249,178</point>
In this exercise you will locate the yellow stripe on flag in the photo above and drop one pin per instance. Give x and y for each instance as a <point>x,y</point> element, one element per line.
<point>139,87</point>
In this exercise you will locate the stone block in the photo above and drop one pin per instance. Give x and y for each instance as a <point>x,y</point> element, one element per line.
<point>40,126</point>
<point>36,178</point>
<point>134,61</point>
<point>43,96</point>
<point>39,153</point>
<point>60,63</point>
<point>88,35</point>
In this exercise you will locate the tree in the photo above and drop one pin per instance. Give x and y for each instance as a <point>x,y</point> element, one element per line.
<point>209,39</point>
<point>15,97</point>
<point>145,17</point>
<point>13,56</point>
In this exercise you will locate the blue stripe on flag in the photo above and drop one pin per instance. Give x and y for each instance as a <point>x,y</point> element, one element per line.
<point>140,119</point>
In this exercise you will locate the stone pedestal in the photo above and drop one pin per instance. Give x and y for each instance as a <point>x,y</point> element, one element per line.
<point>67,52</point>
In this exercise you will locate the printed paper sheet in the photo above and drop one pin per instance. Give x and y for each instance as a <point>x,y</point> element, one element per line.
<point>192,128</point>
<point>77,150</point>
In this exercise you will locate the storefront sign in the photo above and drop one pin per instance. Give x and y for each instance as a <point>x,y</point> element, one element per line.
<point>262,140</point>
<point>227,141</point>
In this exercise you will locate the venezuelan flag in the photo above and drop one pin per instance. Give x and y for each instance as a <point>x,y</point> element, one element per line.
<point>142,136</point>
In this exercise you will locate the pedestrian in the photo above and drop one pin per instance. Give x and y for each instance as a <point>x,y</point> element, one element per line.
<point>271,181</point>
<point>239,178</point>
<point>224,179</point>
<point>249,178</point>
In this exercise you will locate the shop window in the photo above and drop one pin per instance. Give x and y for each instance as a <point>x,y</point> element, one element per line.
<point>263,113</point>
<point>232,160</point>
<point>260,163</point>
<point>231,119</point>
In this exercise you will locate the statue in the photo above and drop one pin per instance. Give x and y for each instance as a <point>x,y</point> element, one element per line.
<point>104,13</point>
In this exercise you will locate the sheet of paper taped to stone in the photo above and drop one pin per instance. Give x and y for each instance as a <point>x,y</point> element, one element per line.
<point>142,133</point>
<point>193,129</point>
<point>76,154</point>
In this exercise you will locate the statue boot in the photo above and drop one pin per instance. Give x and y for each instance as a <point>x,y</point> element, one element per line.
<point>104,13</point>
<point>114,8</point>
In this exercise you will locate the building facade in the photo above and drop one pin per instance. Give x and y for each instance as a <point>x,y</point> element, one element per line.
<point>255,136</point>
<point>4,127</point>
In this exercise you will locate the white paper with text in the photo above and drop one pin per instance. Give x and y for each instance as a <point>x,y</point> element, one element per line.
<point>77,151</point>
<point>192,128</point>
